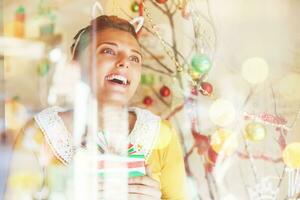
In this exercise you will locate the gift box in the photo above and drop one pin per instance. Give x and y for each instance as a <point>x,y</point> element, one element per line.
<point>114,165</point>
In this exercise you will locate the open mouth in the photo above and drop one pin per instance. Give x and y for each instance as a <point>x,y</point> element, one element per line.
<point>118,79</point>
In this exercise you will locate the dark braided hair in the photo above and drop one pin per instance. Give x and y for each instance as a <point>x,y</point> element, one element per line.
<point>83,37</point>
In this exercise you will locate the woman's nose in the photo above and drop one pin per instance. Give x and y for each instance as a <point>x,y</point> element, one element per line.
<point>122,61</point>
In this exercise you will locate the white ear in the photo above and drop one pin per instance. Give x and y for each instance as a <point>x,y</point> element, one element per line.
<point>97,8</point>
<point>138,23</point>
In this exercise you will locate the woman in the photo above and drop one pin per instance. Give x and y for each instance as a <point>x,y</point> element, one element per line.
<point>119,61</point>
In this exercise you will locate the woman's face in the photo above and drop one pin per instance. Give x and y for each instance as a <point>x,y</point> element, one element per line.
<point>119,62</point>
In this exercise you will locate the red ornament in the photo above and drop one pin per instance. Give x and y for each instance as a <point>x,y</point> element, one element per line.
<point>206,88</point>
<point>201,142</point>
<point>148,101</point>
<point>165,91</point>
<point>161,1</point>
<point>141,8</point>
<point>212,155</point>
<point>194,91</point>
<point>208,167</point>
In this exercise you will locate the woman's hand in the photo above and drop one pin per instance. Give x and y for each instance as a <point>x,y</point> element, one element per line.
<point>144,187</point>
<point>139,188</point>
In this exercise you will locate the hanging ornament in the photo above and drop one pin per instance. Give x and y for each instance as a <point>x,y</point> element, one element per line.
<point>43,68</point>
<point>165,91</point>
<point>208,167</point>
<point>212,155</point>
<point>223,141</point>
<point>255,131</point>
<point>148,101</point>
<point>147,79</point>
<point>161,1</point>
<point>194,75</point>
<point>194,91</point>
<point>135,7</point>
<point>206,88</point>
<point>291,155</point>
<point>201,63</point>
<point>201,142</point>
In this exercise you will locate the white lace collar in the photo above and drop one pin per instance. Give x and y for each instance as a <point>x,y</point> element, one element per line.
<point>56,133</point>
<point>143,136</point>
<point>145,131</point>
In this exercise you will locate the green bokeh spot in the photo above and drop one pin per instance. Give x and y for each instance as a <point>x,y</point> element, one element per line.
<point>43,68</point>
<point>20,10</point>
<point>135,7</point>
<point>147,79</point>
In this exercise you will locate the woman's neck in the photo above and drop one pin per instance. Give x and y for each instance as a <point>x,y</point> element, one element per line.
<point>117,117</point>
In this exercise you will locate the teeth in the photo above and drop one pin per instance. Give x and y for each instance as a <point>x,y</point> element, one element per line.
<point>118,77</point>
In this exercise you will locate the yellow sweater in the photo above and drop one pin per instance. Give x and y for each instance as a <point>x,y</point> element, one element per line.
<point>165,161</point>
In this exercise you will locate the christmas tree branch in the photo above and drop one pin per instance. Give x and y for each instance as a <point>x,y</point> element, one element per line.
<point>156,59</point>
<point>168,44</point>
<point>186,158</point>
<point>159,97</point>
<point>174,43</point>
<point>281,177</point>
<point>211,195</point>
<point>158,7</point>
<point>212,24</point>
<point>156,70</point>
<point>172,9</point>
<point>250,157</point>
<point>174,111</point>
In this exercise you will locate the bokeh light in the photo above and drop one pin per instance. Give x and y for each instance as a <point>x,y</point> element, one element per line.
<point>288,86</point>
<point>222,112</point>
<point>255,70</point>
<point>291,155</point>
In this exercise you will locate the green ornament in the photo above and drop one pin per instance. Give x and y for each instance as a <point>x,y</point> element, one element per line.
<point>135,7</point>
<point>147,79</point>
<point>43,68</point>
<point>201,63</point>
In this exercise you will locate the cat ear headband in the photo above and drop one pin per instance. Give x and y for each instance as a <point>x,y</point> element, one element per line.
<point>137,22</point>
<point>97,9</point>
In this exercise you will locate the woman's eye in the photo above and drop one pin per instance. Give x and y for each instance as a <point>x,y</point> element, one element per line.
<point>108,51</point>
<point>134,59</point>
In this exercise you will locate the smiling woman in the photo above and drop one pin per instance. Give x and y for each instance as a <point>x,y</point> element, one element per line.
<point>118,68</point>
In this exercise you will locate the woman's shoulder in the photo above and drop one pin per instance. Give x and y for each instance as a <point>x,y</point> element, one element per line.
<point>55,124</point>
<point>29,136</point>
<point>53,117</point>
